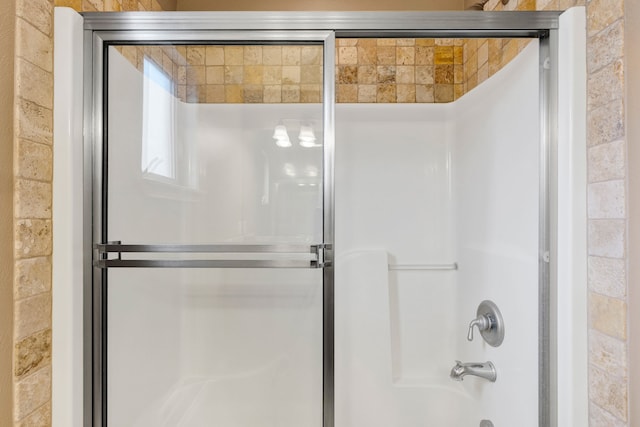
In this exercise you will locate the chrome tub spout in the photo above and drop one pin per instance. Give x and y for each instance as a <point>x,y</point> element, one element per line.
<point>483,370</point>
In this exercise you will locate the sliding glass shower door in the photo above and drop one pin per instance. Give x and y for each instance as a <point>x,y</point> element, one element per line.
<point>213,281</point>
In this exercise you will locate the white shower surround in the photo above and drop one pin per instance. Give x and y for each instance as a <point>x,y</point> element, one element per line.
<point>410,390</point>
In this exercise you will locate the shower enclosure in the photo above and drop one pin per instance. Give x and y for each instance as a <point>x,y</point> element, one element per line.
<point>257,261</point>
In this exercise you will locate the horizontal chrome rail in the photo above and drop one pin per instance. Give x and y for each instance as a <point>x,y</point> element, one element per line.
<point>398,267</point>
<point>316,253</point>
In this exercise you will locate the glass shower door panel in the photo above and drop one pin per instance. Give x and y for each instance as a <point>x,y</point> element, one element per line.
<point>215,143</point>
<point>214,347</point>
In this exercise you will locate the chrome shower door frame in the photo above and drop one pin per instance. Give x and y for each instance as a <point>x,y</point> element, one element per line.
<point>101,29</point>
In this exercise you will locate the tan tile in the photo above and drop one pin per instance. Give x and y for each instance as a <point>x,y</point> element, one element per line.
<point>32,199</point>
<point>386,55</point>
<point>458,74</point>
<point>607,237</point>
<point>32,314</point>
<point>182,75</point>
<point>608,315</point>
<point>34,46</point>
<point>458,91</point>
<point>347,74</point>
<point>348,55</point>
<point>347,42</point>
<point>386,93</point>
<point>367,43</point>
<point>196,55</point>
<point>386,42</point>
<point>444,74</point>
<point>233,55</point>
<point>443,55</point>
<point>31,393</point>
<point>272,74</point>
<point>291,55</point>
<point>483,54</point>
<point>347,93</point>
<point>607,276</point>
<point>252,55</point>
<point>291,94</point>
<point>405,74</point>
<point>472,82</point>
<point>215,75</point>
<point>608,354</point>
<point>272,55</point>
<point>600,417</point>
<point>252,74</point>
<point>214,55</point>
<point>425,75</point>
<point>606,199</point>
<point>272,94</point>
<point>34,84</point>
<point>311,74</point>
<point>606,47</point>
<point>425,93</point>
<point>367,55</point>
<point>425,42</point>
<point>457,55</point>
<point>181,93</point>
<point>483,73</point>
<point>386,74</point>
<point>606,123</point>
<point>311,55</point>
<point>608,392</point>
<point>215,94</point>
<point>73,4</point>
<point>367,93</point>
<point>602,13</point>
<point>405,55</point>
<point>290,75</point>
<point>605,85</point>
<point>444,42</point>
<point>196,75</point>
<point>32,353</point>
<point>367,75</point>
<point>253,94</point>
<point>607,161</point>
<point>41,417</point>
<point>197,94</point>
<point>443,93</point>
<point>32,238</point>
<point>233,94</point>
<point>31,277</point>
<point>405,42</point>
<point>406,93</point>
<point>35,161</point>
<point>233,74</point>
<point>424,55</point>
<point>37,12</point>
<point>310,93</point>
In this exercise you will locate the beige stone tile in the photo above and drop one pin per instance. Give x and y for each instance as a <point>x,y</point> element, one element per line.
<point>444,74</point>
<point>233,74</point>
<point>310,93</point>
<point>215,94</point>
<point>272,55</point>
<point>233,94</point>
<point>425,75</point>
<point>32,315</point>
<point>425,93</point>
<point>457,55</point>
<point>444,42</point>
<point>386,74</point>
<point>386,42</point>
<point>34,46</point>
<point>458,74</point>
<point>406,93</point>
<point>31,277</point>
<point>405,55</point>
<point>253,94</point>
<point>233,55</point>
<point>405,42</point>
<point>32,353</point>
<point>386,55</point>
<point>348,55</point>
<point>598,417</point>
<point>608,354</point>
<point>311,55</point>
<point>32,199</point>
<point>291,55</point>
<point>182,75</point>
<point>367,55</point>
<point>272,75</point>
<point>609,392</point>
<point>367,93</point>
<point>602,13</point>
<point>74,4</point>
<point>214,55</point>
<point>196,75</point>
<point>35,161</point>
<point>424,55</point>
<point>252,55</point>
<point>290,93</point>
<point>290,75</point>
<point>31,392</point>
<point>458,91</point>
<point>606,123</point>
<point>312,74</point>
<point>38,12</point>
<point>196,55</point>
<point>41,417</point>
<point>181,93</point>
<point>443,93</point>
<point>34,84</point>
<point>608,315</point>
<point>367,43</point>
<point>92,6</point>
<point>347,74</point>
<point>607,276</point>
<point>425,42</point>
<point>605,85</point>
<point>32,238</point>
<point>606,237</point>
<point>606,47</point>
<point>443,55</point>
<point>252,74</point>
<point>483,54</point>
<point>606,162</point>
<point>347,42</point>
<point>215,75</point>
<point>197,94</point>
<point>386,93</point>
<point>606,199</point>
<point>367,75</point>
<point>406,74</point>
<point>272,94</point>
<point>347,93</point>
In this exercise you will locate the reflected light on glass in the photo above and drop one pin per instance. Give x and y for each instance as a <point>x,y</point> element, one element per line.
<point>289,170</point>
<point>312,171</point>
<point>307,137</point>
<point>281,136</point>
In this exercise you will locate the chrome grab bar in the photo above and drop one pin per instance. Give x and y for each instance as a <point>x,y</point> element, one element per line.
<point>316,252</point>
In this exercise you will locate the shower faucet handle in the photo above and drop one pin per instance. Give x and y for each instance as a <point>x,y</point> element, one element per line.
<point>489,322</point>
<point>483,322</point>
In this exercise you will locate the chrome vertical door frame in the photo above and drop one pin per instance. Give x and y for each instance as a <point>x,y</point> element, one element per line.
<point>197,26</point>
